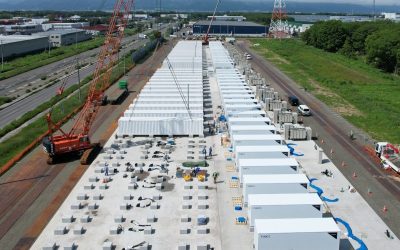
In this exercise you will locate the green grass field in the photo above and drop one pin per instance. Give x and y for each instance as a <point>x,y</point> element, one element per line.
<point>364,95</point>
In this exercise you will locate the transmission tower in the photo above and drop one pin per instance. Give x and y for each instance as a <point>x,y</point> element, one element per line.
<point>279,27</point>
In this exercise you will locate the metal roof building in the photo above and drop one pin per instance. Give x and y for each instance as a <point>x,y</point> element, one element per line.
<point>16,45</point>
<point>226,28</point>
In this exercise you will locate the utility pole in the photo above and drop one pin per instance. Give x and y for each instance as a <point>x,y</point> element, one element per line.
<point>79,79</point>
<point>49,46</point>
<point>2,56</point>
<point>374,11</point>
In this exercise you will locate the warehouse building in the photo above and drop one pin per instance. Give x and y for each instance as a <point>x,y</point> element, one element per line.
<point>227,28</point>
<point>60,38</point>
<point>16,45</point>
<point>22,29</point>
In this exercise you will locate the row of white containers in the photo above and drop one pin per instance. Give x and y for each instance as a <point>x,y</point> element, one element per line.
<point>282,210</point>
<point>171,103</point>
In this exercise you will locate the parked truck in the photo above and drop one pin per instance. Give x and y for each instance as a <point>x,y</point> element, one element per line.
<point>389,155</point>
<point>142,36</point>
<point>117,96</point>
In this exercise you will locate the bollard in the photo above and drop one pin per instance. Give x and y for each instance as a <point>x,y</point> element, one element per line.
<point>343,164</point>
<point>354,175</point>
<point>384,209</point>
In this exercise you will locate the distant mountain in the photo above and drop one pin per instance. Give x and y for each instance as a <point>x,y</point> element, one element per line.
<point>193,5</point>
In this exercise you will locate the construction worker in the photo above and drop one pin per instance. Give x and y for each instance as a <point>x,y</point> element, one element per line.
<point>210,152</point>
<point>215,176</point>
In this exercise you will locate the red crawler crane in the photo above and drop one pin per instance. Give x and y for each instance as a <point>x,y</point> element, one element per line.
<point>77,139</point>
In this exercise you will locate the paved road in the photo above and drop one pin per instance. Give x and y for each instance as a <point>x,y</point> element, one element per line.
<point>23,106</point>
<point>333,129</point>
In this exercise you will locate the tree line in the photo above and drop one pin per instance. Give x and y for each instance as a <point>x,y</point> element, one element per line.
<point>378,42</point>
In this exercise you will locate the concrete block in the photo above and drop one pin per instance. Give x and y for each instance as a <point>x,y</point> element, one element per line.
<point>151,218</point>
<point>50,246</point>
<point>104,187</point>
<point>108,245</point>
<point>102,164</point>
<point>203,246</point>
<point>188,186</point>
<point>159,186</point>
<point>132,186</point>
<point>115,164</point>
<point>125,206</point>
<point>107,157</point>
<point>67,218</point>
<point>115,230</point>
<point>85,219</point>
<point>93,179</point>
<point>202,205</point>
<point>184,230</point>
<point>183,246</point>
<point>186,205</point>
<point>202,196</point>
<point>78,230</point>
<point>157,197</point>
<point>61,230</point>
<point>128,197</point>
<point>122,152</point>
<point>148,230</point>
<point>154,205</point>
<point>201,157</point>
<point>89,187</point>
<point>93,206</point>
<point>76,206</point>
<point>187,196</point>
<point>98,197</point>
<point>144,157</point>
<point>98,170</point>
<point>202,230</point>
<point>71,246</point>
<point>185,218</point>
<point>110,152</point>
<point>203,186</point>
<point>82,197</point>
<point>119,219</point>
<point>134,179</point>
<point>160,179</point>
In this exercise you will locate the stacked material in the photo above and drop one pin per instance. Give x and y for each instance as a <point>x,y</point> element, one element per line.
<point>275,192</point>
<point>171,103</point>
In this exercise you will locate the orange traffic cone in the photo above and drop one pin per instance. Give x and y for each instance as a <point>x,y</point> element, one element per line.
<point>354,175</point>
<point>384,209</point>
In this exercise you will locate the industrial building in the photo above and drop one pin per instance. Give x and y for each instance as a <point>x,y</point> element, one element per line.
<point>228,18</point>
<point>60,38</point>
<point>17,45</point>
<point>230,28</point>
<point>22,29</point>
<point>64,26</point>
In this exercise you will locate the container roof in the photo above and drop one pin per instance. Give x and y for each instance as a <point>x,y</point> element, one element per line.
<point>275,178</point>
<point>271,137</point>
<point>253,127</point>
<point>284,199</point>
<point>268,162</point>
<point>256,149</point>
<point>297,225</point>
<point>249,119</point>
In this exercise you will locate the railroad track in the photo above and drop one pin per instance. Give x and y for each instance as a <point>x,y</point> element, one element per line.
<point>329,123</point>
